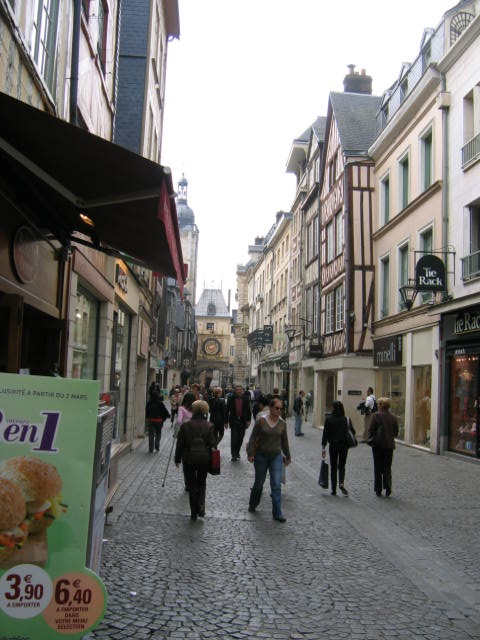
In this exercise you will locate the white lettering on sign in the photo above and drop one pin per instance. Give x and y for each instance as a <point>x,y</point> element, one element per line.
<point>467,323</point>
<point>430,278</point>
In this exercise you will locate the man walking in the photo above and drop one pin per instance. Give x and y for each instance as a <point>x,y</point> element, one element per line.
<point>239,415</point>
<point>298,412</point>
<point>369,408</point>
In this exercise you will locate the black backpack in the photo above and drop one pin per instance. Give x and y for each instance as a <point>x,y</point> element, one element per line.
<point>198,452</point>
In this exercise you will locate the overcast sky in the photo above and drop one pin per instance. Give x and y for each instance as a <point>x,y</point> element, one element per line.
<point>244,80</point>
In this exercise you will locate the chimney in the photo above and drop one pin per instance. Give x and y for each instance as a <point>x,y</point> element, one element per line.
<point>229,296</point>
<point>259,240</point>
<point>357,83</point>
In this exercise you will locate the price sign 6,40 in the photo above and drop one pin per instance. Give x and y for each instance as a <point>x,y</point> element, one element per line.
<point>70,593</point>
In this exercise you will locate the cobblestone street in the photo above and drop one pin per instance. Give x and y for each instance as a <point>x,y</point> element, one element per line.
<point>357,567</point>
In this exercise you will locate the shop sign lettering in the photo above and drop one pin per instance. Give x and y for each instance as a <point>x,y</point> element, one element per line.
<point>430,274</point>
<point>467,322</point>
<point>387,351</point>
<point>42,435</point>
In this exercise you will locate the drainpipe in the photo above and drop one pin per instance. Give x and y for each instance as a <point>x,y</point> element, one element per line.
<point>77,21</point>
<point>441,444</point>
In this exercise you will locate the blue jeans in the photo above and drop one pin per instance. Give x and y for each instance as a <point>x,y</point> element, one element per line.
<point>298,423</point>
<point>273,464</point>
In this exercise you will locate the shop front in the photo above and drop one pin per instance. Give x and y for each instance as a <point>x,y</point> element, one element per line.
<point>461,335</point>
<point>390,377</point>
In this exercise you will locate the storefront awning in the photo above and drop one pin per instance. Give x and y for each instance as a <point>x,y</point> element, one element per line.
<point>65,180</point>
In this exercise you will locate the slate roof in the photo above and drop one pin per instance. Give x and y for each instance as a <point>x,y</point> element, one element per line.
<point>215,298</point>
<point>355,116</point>
<point>319,127</point>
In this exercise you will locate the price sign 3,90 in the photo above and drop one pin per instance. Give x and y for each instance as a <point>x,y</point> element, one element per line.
<point>25,591</point>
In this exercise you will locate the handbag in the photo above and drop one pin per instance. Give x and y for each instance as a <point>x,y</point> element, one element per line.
<point>351,437</point>
<point>323,477</point>
<point>214,468</point>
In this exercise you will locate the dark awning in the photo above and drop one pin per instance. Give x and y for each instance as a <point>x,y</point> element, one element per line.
<point>66,180</point>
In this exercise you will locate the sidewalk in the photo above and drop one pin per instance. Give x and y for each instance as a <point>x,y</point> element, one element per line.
<point>360,567</point>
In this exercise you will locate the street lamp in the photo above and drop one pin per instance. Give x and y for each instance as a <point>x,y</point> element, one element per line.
<point>409,293</point>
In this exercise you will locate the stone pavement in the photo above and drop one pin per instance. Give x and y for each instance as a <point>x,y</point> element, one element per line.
<point>357,567</point>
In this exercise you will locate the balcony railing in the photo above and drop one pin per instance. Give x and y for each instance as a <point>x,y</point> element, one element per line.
<point>471,151</point>
<point>471,266</point>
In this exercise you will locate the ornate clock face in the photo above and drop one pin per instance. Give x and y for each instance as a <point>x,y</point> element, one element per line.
<point>211,347</point>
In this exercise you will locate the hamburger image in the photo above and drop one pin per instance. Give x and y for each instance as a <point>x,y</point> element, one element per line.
<point>13,527</point>
<point>40,485</point>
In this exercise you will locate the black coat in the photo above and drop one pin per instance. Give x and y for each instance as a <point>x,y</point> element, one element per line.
<point>246,413</point>
<point>335,431</point>
<point>194,428</point>
<point>156,409</point>
<point>218,411</point>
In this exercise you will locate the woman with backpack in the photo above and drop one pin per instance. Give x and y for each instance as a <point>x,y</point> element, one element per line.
<point>195,441</point>
<point>335,433</point>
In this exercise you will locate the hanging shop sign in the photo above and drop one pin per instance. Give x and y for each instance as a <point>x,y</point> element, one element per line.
<point>430,274</point>
<point>268,334</point>
<point>316,350</point>
<point>387,352</point>
<point>468,321</point>
<point>284,364</point>
<point>48,430</point>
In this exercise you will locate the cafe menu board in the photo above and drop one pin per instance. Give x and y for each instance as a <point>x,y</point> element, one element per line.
<point>47,445</point>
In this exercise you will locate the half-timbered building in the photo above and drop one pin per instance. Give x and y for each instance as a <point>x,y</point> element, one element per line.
<point>346,285</point>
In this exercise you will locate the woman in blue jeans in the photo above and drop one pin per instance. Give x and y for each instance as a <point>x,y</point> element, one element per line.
<point>267,442</point>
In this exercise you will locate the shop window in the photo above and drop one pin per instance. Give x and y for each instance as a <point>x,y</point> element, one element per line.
<point>422,402</point>
<point>390,383</point>
<point>464,404</point>
<point>85,336</point>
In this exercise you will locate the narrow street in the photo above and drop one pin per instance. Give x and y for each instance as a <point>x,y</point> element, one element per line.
<point>357,567</point>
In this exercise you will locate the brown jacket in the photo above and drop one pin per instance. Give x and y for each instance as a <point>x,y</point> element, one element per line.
<point>384,429</point>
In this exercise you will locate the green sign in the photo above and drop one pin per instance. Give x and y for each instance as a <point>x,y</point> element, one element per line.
<point>47,446</point>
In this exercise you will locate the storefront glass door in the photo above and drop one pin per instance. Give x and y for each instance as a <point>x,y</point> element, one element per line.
<point>464,403</point>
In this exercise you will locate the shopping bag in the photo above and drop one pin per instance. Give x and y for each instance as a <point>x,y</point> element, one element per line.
<point>323,477</point>
<point>214,468</point>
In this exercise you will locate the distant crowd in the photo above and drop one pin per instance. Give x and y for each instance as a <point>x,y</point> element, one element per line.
<point>200,415</point>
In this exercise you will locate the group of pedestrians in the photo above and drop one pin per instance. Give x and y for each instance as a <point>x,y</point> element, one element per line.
<point>200,419</point>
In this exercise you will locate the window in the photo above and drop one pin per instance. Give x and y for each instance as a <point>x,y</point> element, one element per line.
<point>232,351</point>
<point>384,286</point>
<point>329,305</point>
<point>315,236</point>
<point>316,292</point>
<point>332,171</point>
<point>338,233</point>
<point>426,247</point>
<point>385,200</point>
<point>402,272</point>
<point>102,34</point>
<point>85,336</point>
<point>426,160</point>
<point>210,326</point>
<point>339,308</point>
<point>471,126</point>
<point>403,182</point>
<point>403,89</point>
<point>211,309</point>
<point>426,55</point>
<point>44,38</point>
<point>330,241</point>
<point>309,310</point>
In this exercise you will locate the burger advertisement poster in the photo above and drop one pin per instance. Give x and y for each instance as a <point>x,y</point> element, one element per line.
<point>47,449</point>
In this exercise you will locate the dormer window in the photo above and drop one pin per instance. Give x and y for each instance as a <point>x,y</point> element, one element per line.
<point>211,309</point>
<point>458,25</point>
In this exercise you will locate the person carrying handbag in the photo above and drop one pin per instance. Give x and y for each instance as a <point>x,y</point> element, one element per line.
<point>381,436</point>
<point>335,433</point>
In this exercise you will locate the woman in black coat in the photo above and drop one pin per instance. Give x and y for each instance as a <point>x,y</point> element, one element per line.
<point>195,441</point>
<point>335,433</point>
<point>218,413</point>
<point>155,413</point>
<point>381,436</point>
